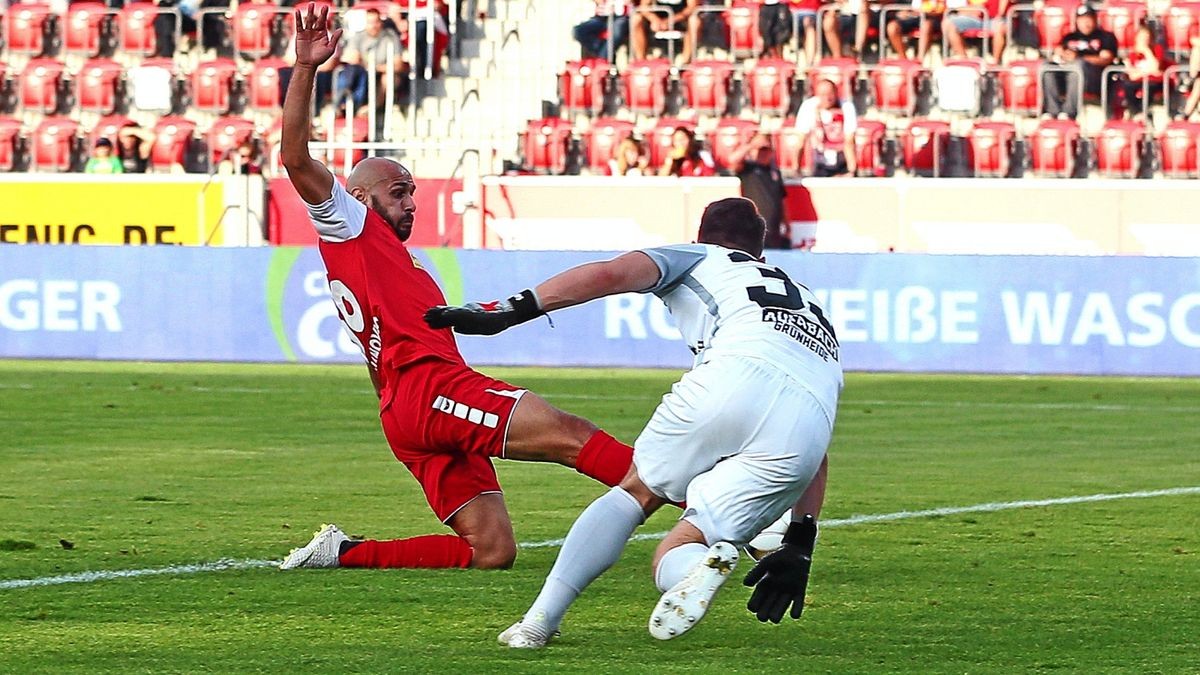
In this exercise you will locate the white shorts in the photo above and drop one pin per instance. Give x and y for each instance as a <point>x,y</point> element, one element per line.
<point>739,441</point>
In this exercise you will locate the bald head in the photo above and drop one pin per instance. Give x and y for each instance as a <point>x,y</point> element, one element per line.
<point>387,188</point>
<point>372,170</point>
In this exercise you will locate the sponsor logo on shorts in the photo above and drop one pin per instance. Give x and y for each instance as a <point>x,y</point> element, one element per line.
<point>466,412</point>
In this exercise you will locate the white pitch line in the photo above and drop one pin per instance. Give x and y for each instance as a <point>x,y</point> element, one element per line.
<point>230,564</point>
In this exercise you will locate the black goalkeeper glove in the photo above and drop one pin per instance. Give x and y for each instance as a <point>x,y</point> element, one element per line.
<point>781,578</point>
<point>486,318</point>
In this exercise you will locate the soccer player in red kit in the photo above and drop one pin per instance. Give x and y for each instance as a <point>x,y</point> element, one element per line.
<point>442,419</point>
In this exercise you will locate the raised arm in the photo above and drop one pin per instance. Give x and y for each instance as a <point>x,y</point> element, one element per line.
<point>314,46</point>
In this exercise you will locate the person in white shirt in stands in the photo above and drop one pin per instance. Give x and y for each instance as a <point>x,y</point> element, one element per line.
<point>741,437</point>
<point>827,125</point>
<point>594,36</point>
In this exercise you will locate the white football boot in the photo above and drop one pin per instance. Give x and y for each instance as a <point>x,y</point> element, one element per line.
<point>322,551</point>
<point>685,603</point>
<point>525,636</point>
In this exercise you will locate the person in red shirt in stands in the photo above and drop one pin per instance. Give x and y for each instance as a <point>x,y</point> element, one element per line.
<point>1146,60</point>
<point>686,158</point>
<point>442,419</point>
<point>968,17</point>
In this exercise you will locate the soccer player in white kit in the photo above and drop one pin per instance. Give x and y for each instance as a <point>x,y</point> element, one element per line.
<point>741,437</point>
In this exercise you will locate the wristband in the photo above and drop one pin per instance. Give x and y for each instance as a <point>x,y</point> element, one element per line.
<point>802,534</point>
<point>525,306</point>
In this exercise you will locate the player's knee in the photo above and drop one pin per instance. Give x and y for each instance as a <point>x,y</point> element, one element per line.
<point>495,555</point>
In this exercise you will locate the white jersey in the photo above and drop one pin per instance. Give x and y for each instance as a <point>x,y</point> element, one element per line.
<point>728,303</point>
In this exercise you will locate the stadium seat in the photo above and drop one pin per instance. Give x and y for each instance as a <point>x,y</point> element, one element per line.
<point>1052,148</point>
<point>225,135</point>
<point>991,148</point>
<point>957,83</point>
<point>895,85</point>
<point>1179,150</point>
<point>770,85</point>
<point>108,127</point>
<point>252,29</point>
<point>99,86</point>
<point>264,84</point>
<point>1180,24</point>
<point>925,145</point>
<point>742,23</point>
<point>658,141</point>
<point>1020,86</point>
<point>43,86</point>
<point>1119,147</point>
<point>212,85</point>
<point>137,28</point>
<point>601,141</point>
<point>1054,20</point>
<point>786,143</point>
<point>355,132</point>
<point>55,145</point>
<point>173,136</point>
<point>581,86</point>
<point>153,84</point>
<point>868,144</point>
<point>1122,18</point>
<point>85,21</point>
<point>729,135</point>
<point>706,86</point>
<point>26,27</point>
<point>546,144</point>
<point>646,85</point>
<point>10,134</point>
<point>841,71</point>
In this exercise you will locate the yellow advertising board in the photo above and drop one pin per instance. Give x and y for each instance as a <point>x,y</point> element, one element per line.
<point>162,210</point>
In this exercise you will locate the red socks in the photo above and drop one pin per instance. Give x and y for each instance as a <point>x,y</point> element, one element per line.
<point>604,458</point>
<point>430,551</point>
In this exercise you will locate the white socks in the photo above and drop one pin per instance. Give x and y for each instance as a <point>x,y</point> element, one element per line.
<point>676,563</point>
<point>593,545</point>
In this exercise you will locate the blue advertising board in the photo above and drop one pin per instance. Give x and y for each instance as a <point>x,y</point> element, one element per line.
<point>997,314</point>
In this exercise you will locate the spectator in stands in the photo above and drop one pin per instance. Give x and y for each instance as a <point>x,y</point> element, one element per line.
<point>827,125</point>
<point>593,35</point>
<point>165,24</point>
<point>214,28</point>
<point>102,159</point>
<point>645,22</point>
<point>968,19</point>
<point>1085,52</point>
<point>421,48</point>
<point>375,44</point>
<point>1193,102</point>
<point>848,24</point>
<point>901,24</point>
<point>686,158</point>
<point>324,79</point>
<point>762,183</point>
<point>134,145</point>
<point>245,160</point>
<point>629,160</point>
<point>1146,61</point>
<point>932,12</point>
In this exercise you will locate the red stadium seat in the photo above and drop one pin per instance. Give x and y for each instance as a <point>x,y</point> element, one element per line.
<point>1179,149</point>
<point>10,132</point>
<point>868,143</point>
<point>212,85</point>
<point>25,28</point>
<point>658,143</point>
<point>1119,148</point>
<point>108,127</point>
<point>97,86</point>
<point>742,23</point>
<point>355,132</point>
<point>645,86</point>
<point>84,22</point>
<point>225,135</point>
<point>1052,148</point>
<point>54,144</point>
<point>786,143</point>
<point>137,28</point>
<point>172,138</point>
<point>770,85</point>
<point>42,85</point>
<point>1054,20</point>
<point>895,84</point>
<point>730,134</point>
<point>546,144</point>
<point>991,147</point>
<point>840,71</point>
<point>602,140</point>
<point>1180,24</point>
<point>252,28</point>
<point>581,86</point>
<point>1020,85</point>
<point>264,84</point>
<point>1122,18</point>
<point>706,86</point>
<point>925,145</point>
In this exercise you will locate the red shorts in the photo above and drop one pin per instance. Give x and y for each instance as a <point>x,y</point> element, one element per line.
<point>445,423</point>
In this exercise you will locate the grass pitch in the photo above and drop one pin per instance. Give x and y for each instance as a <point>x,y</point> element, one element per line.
<point>132,466</point>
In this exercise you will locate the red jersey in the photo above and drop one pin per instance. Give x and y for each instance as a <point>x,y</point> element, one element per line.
<point>380,290</point>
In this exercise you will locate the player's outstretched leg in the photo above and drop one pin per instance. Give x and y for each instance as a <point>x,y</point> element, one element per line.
<point>685,603</point>
<point>542,433</point>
